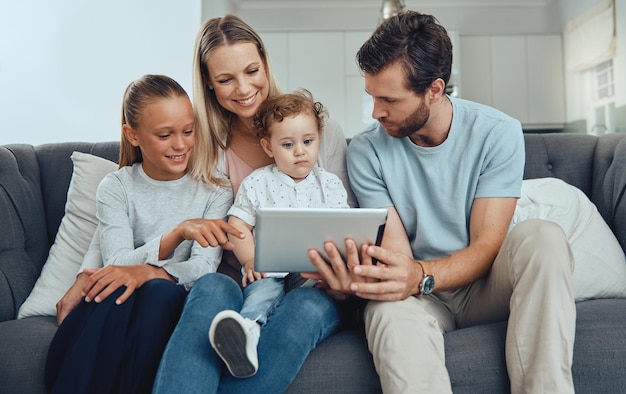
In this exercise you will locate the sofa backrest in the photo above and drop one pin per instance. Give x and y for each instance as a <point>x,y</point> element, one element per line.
<point>34,183</point>
<point>596,165</point>
<point>565,156</point>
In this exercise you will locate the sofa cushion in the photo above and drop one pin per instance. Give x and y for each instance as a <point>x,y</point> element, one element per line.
<point>600,346</point>
<point>600,270</point>
<point>24,345</point>
<point>348,349</point>
<point>72,241</point>
<point>475,359</point>
<point>56,167</point>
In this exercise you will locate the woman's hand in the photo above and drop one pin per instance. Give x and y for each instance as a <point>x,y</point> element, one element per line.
<point>72,296</point>
<point>106,280</point>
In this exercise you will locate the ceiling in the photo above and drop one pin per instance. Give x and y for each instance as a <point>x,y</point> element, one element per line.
<point>467,17</point>
<point>299,4</point>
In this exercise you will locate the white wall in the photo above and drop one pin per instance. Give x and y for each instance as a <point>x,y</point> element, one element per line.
<point>64,64</point>
<point>620,60</point>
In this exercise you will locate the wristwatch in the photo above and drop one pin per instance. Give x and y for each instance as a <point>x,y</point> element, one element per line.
<point>428,281</point>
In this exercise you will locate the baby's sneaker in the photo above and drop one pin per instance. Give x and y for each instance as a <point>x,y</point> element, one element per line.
<point>235,339</point>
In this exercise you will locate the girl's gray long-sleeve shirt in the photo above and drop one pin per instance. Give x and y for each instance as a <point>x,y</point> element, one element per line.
<point>134,211</point>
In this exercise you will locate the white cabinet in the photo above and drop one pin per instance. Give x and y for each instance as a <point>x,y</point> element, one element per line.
<point>276,45</point>
<point>316,63</point>
<point>520,75</point>
<point>509,76</point>
<point>546,93</point>
<point>323,63</point>
<point>475,53</point>
<point>359,105</point>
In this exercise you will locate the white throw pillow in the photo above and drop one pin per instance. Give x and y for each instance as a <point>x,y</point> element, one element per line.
<point>73,237</point>
<point>600,270</point>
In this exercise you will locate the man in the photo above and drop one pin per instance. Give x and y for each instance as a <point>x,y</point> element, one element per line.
<point>449,172</point>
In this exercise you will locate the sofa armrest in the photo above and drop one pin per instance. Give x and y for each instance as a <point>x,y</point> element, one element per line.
<point>609,183</point>
<point>23,239</point>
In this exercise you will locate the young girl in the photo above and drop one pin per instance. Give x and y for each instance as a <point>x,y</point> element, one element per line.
<point>156,225</point>
<point>290,127</point>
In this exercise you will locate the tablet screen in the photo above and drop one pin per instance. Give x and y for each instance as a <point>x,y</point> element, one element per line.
<point>283,236</point>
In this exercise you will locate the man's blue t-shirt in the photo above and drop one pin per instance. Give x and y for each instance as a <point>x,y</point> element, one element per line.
<point>433,189</point>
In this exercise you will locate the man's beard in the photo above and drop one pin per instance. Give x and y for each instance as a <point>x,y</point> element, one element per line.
<point>412,123</point>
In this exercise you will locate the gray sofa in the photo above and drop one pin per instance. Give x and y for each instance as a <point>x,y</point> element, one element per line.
<point>33,186</point>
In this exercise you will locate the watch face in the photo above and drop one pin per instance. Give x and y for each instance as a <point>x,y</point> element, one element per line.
<point>428,284</point>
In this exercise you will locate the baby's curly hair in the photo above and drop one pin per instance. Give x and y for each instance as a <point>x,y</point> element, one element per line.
<point>275,109</point>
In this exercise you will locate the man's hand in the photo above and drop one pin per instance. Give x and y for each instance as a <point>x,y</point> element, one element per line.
<point>394,277</point>
<point>336,275</point>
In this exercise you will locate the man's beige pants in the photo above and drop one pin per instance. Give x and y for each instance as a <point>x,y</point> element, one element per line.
<point>530,283</point>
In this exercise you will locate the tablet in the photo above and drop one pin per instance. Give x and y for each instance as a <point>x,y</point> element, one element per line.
<point>284,235</point>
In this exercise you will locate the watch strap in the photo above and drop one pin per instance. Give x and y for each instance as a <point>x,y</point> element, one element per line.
<point>423,269</point>
<point>424,276</point>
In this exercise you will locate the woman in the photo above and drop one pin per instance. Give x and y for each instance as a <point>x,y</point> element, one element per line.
<point>231,79</point>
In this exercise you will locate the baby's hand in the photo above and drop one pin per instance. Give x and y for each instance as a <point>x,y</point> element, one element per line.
<point>250,275</point>
<point>209,232</point>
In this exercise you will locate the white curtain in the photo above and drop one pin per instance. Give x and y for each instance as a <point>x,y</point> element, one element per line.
<point>590,38</point>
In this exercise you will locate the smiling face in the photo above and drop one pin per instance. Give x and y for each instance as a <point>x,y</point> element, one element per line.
<point>238,77</point>
<point>165,136</point>
<point>293,143</point>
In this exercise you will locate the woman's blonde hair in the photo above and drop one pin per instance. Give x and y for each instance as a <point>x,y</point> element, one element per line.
<point>212,120</point>
<point>139,94</point>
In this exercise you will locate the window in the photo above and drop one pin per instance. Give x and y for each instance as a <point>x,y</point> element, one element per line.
<point>601,106</point>
<point>590,37</point>
<point>604,80</point>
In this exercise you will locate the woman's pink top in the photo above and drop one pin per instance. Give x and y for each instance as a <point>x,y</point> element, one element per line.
<point>236,168</point>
